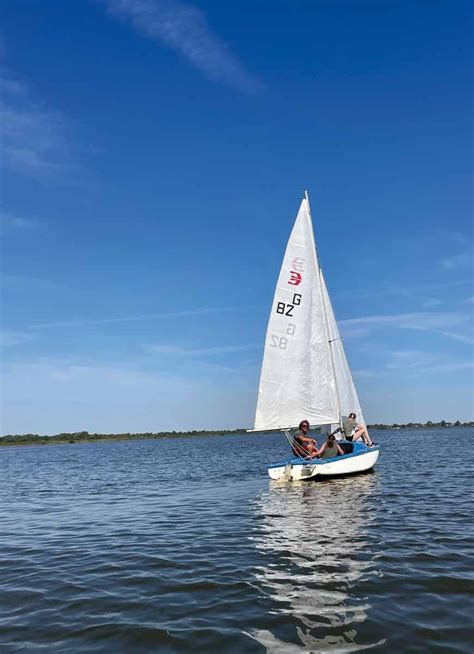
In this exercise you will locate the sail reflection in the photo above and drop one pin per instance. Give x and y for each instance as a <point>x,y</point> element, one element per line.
<point>315,540</point>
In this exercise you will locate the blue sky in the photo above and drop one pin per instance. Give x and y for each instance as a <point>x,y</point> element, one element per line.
<point>154,157</point>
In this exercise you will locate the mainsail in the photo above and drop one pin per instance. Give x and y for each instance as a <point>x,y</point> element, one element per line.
<point>297,378</point>
<point>305,373</point>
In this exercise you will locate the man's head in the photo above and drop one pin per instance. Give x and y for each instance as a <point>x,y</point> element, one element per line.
<point>352,416</point>
<point>304,425</point>
<point>331,439</point>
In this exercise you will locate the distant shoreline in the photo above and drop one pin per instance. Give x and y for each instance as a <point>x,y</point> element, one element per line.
<point>85,437</point>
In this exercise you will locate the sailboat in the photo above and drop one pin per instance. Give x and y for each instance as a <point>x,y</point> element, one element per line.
<point>305,373</point>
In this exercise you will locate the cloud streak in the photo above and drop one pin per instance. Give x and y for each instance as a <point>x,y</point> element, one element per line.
<point>51,395</point>
<point>13,222</point>
<point>460,260</point>
<point>448,367</point>
<point>183,28</point>
<point>441,323</point>
<point>147,316</point>
<point>414,362</point>
<point>11,339</point>
<point>421,320</point>
<point>425,363</point>
<point>22,283</point>
<point>33,135</point>
<point>413,292</point>
<point>182,352</point>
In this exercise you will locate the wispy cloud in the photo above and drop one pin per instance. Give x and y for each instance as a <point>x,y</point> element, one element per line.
<point>463,338</point>
<point>420,320</point>
<point>409,362</point>
<point>364,374</point>
<point>454,366</point>
<point>20,283</point>
<point>413,292</point>
<point>183,27</point>
<point>9,221</point>
<point>404,359</point>
<point>146,316</point>
<point>429,303</point>
<point>51,395</point>
<point>353,331</point>
<point>182,352</point>
<point>443,323</point>
<point>424,363</point>
<point>33,135</point>
<point>11,338</point>
<point>456,236</point>
<point>459,260</point>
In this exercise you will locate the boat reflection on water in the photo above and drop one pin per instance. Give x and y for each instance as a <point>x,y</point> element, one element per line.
<point>317,551</point>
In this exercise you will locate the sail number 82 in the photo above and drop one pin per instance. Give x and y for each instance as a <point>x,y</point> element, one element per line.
<point>281,342</point>
<point>278,341</point>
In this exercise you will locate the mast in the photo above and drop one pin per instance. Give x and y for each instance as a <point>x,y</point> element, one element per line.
<point>326,322</point>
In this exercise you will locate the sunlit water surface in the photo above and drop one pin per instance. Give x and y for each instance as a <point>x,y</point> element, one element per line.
<point>185,545</point>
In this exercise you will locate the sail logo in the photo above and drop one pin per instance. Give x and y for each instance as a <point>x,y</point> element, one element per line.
<point>298,264</point>
<point>295,278</point>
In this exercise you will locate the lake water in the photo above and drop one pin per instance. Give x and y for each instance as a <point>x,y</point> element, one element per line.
<point>185,545</point>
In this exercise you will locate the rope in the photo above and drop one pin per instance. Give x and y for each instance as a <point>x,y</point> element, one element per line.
<point>295,446</point>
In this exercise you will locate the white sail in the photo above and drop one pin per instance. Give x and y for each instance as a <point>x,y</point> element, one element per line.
<point>297,379</point>
<point>347,394</point>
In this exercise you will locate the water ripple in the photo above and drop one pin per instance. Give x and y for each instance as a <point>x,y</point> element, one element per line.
<point>110,548</point>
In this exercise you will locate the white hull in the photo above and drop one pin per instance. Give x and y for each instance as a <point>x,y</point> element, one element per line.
<point>349,464</point>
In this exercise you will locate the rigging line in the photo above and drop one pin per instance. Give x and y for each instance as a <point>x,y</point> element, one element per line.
<point>297,448</point>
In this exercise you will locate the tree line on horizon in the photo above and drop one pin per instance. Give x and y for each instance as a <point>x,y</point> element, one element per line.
<point>85,436</point>
<point>422,425</point>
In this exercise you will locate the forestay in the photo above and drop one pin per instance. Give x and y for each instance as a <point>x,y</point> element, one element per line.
<point>297,378</point>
